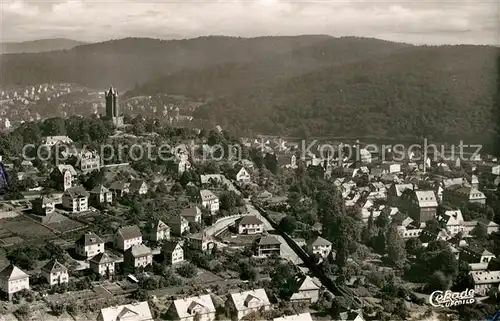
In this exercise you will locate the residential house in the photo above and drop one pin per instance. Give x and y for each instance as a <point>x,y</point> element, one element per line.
<point>55,273</point>
<point>201,241</point>
<point>138,255</point>
<point>396,191</point>
<point>12,280</point>
<point>350,316</point>
<point>43,206</point>
<point>453,221</point>
<point>242,304</point>
<point>63,176</point>
<point>242,175</point>
<point>179,225</point>
<point>88,161</point>
<point>196,308</point>
<point>138,186</point>
<point>172,252</point>
<point>409,232</point>
<point>249,224</point>
<point>158,231</point>
<point>459,195</point>
<point>89,245</point>
<point>320,246</point>
<point>54,140</point>
<point>119,188</point>
<point>490,168</point>
<point>295,317</point>
<point>128,236</point>
<point>192,214</point>
<point>138,311</point>
<point>100,195</point>
<point>75,199</point>
<point>488,225</point>
<point>391,167</point>
<point>306,290</point>
<point>478,259</point>
<point>421,205</point>
<point>209,201</point>
<point>102,264</point>
<point>210,180</point>
<point>485,280</point>
<point>268,245</point>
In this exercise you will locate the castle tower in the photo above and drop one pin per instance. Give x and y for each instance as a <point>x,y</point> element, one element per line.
<point>112,109</point>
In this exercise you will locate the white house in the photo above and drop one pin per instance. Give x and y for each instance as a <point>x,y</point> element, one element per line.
<point>243,303</point>
<point>209,201</point>
<point>129,312</point>
<point>89,245</point>
<point>196,308</point>
<point>172,252</point>
<point>158,231</point>
<point>138,256</point>
<point>250,224</point>
<point>192,214</point>
<point>296,317</point>
<point>320,246</point>
<point>13,279</point>
<point>307,290</point>
<point>242,175</point>
<point>75,199</point>
<point>128,236</point>
<point>138,186</point>
<point>102,264</point>
<point>485,280</point>
<point>55,273</point>
<point>100,195</point>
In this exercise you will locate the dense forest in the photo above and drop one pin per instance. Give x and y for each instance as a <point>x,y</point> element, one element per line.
<point>443,93</point>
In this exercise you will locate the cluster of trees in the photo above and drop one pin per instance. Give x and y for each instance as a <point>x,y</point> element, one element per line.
<point>26,257</point>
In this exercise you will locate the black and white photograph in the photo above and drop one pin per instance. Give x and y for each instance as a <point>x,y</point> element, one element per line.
<point>250,160</point>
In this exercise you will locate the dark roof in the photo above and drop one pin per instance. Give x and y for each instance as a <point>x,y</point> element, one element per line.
<point>99,190</point>
<point>139,250</point>
<point>268,240</point>
<point>192,211</point>
<point>169,247</point>
<point>135,185</point>
<point>118,186</point>
<point>89,238</point>
<point>129,232</point>
<point>76,192</point>
<point>249,219</point>
<point>54,266</point>
<point>102,258</point>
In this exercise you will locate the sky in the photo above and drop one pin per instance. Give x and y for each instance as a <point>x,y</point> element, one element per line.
<point>417,22</point>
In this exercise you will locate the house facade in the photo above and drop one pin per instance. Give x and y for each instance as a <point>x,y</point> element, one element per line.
<point>43,206</point>
<point>89,245</point>
<point>421,205</point>
<point>128,236</point>
<point>485,280</point>
<point>139,311</point>
<point>172,252</point>
<point>192,214</point>
<point>268,245</point>
<point>158,231</point>
<point>249,224</point>
<point>12,280</point>
<point>138,256</point>
<point>209,201</point>
<point>198,308</point>
<point>100,195</point>
<point>102,264</point>
<point>55,273</point>
<point>75,199</point>
<point>242,304</point>
<point>179,225</point>
<point>320,246</point>
<point>242,175</point>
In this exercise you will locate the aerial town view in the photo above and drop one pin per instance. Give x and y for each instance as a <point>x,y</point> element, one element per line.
<point>249,160</point>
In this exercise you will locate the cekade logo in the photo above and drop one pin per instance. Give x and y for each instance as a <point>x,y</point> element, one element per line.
<point>449,298</point>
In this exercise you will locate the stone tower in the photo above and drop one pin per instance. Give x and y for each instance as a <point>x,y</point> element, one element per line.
<point>112,108</point>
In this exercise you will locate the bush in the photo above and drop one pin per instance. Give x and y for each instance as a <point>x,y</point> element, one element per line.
<point>187,270</point>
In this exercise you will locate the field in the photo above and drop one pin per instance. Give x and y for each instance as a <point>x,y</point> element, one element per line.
<point>21,227</point>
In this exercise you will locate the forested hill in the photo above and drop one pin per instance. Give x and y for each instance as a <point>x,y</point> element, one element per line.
<point>38,45</point>
<point>228,78</point>
<point>127,62</point>
<point>443,93</point>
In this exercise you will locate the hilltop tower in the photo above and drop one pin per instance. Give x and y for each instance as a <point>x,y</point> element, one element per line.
<point>112,108</point>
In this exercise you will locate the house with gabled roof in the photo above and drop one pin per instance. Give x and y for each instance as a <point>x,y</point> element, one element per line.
<point>89,245</point>
<point>75,199</point>
<point>242,175</point>
<point>421,205</point>
<point>157,231</point>
<point>172,252</point>
<point>268,245</point>
<point>120,188</point>
<point>306,289</point>
<point>178,224</point>
<point>128,236</point>
<point>63,176</point>
<point>100,195</point>
<point>249,224</point>
<point>350,316</point>
<point>138,311</point>
<point>209,201</point>
<point>243,303</point>
<point>55,273</point>
<point>489,226</point>
<point>396,191</point>
<point>202,242</point>
<point>460,195</point>
<point>192,309</point>
<point>192,214</point>
<point>102,264</point>
<point>319,246</point>
<point>43,205</point>
<point>138,186</point>
<point>138,255</point>
<point>12,280</point>
<point>485,280</point>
